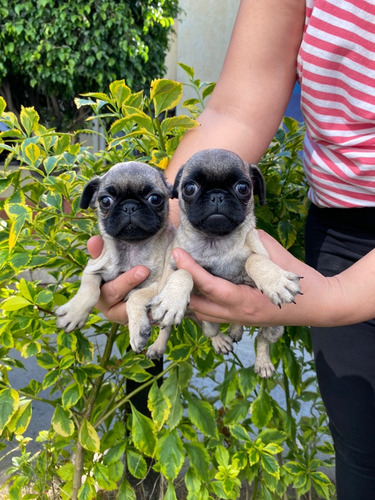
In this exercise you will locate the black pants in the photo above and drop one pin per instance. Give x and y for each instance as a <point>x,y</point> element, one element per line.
<point>345,356</point>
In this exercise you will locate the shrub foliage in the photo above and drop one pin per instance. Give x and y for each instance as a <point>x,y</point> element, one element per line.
<point>245,433</point>
<point>52,51</point>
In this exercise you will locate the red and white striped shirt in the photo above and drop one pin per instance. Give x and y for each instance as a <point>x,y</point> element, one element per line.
<point>336,68</point>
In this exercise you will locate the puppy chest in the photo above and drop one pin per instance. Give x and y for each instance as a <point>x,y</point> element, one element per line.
<point>230,267</point>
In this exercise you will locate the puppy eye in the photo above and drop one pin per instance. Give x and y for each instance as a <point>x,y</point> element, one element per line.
<point>155,199</point>
<point>189,189</point>
<point>242,188</point>
<point>106,202</point>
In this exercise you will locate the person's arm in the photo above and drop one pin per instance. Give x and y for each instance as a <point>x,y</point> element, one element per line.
<point>344,299</point>
<point>255,83</point>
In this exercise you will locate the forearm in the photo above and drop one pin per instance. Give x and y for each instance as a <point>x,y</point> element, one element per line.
<point>344,299</point>
<point>255,83</point>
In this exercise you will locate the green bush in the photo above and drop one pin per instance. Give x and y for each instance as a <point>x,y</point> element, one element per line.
<point>193,445</point>
<point>52,51</point>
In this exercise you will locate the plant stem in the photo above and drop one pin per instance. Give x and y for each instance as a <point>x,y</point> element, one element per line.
<point>128,397</point>
<point>255,490</point>
<point>79,457</point>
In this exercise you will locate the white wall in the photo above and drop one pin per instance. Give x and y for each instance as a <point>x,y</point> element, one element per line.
<point>203,31</point>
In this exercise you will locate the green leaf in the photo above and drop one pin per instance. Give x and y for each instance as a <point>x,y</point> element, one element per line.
<point>187,69</point>
<point>183,122</point>
<point>126,492</point>
<point>171,390</point>
<point>29,118</point>
<point>239,432</point>
<point>202,415</point>
<point>51,378</point>
<point>15,303</point>
<point>30,349</point>
<point>102,477</point>
<point>165,94</point>
<point>199,459</point>
<point>270,464</point>
<point>272,436</point>
<point>61,422</point>
<point>21,419</point>
<point>261,409</point>
<point>159,406</point>
<point>3,105</point>
<point>87,491</point>
<point>136,464</point>
<point>143,432</point>
<point>6,339</point>
<point>85,349</point>
<point>115,453</point>
<point>119,91</point>
<point>170,494</point>
<point>321,484</point>
<point>33,153</point>
<point>287,233</point>
<point>71,395</point>
<point>228,387</point>
<point>237,411</point>
<point>88,437</point>
<point>170,454</point>
<point>66,471</point>
<point>247,381</point>
<point>9,401</point>
<point>292,367</point>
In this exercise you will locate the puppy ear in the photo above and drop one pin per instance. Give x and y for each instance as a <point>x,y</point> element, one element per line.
<point>177,183</point>
<point>89,193</point>
<point>259,185</point>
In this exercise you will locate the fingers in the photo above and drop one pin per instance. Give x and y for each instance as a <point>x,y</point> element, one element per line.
<point>95,246</point>
<point>111,302</point>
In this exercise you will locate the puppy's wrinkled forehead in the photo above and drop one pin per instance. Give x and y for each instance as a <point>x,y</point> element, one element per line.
<point>133,176</point>
<point>215,164</point>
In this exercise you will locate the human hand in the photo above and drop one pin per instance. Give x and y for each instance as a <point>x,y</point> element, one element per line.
<point>111,302</point>
<point>220,301</point>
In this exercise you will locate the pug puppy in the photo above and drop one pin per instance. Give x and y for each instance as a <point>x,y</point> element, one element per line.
<point>216,191</point>
<point>132,203</point>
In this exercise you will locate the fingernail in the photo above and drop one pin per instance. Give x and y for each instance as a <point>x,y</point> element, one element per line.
<point>140,274</point>
<point>175,256</point>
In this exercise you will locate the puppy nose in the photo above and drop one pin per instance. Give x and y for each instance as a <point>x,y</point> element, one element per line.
<point>129,207</point>
<point>216,198</point>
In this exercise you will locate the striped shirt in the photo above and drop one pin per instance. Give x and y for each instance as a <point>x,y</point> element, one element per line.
<point>336,69</point>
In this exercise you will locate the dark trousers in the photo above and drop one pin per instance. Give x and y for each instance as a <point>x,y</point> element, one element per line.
<point>345,356</point>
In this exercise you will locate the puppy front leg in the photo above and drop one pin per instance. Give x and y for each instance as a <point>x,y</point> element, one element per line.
<point>74,313</point>
<point>279,285</point>
<point>157,349</point>
<point>267,335</point>
<point>169,306</point>
<point>138,320</point>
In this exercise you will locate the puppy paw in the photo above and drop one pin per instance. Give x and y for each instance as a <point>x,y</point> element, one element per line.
<point>157,349</point>
<point>223,344</point>
<point>235,332</point>
<point>154,352</point>
<point>71,315</point>
<point>264,367</point>
<point>138,340</point>
<point>281,286</point>
<point>167,310</point>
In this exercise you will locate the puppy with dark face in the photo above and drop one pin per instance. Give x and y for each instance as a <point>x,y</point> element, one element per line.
<point>132,203</point>
<point>216,191</point>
